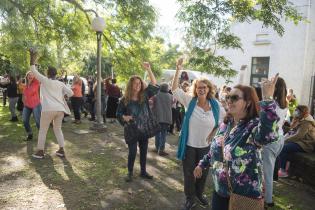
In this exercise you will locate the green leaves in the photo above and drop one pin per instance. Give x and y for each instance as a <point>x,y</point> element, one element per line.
<point>62,31</point>
<point>208,25</point>
<point>206,61</point>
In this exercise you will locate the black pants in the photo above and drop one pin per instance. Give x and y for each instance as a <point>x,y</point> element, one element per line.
<point>194,187</point>
<point>175,120</point>
<point>76,103</point>
<point>20,103</point>
<point>219,202</point>
<point>143,146</point>
<point>112,104</point>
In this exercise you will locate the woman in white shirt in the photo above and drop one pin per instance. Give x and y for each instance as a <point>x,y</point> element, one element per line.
<point>203,114</point>
<point>54,106</point>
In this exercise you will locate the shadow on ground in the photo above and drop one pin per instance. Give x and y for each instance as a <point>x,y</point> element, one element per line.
<point>92,175</point>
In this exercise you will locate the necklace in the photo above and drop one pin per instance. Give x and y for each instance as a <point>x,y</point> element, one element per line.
<point>205,106</point>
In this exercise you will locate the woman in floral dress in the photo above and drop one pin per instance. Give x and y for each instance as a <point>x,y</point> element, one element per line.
<point>252,124</point>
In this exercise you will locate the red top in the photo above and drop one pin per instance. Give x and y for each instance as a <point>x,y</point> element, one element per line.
<point>77,90</point>
<point>112,90</point>
<point>31,94</point>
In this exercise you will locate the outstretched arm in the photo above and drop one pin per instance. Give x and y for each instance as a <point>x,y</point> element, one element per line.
<point>33,60</point>
<point>147,67</point>
<point>179,67</point>
<point>266,131</point>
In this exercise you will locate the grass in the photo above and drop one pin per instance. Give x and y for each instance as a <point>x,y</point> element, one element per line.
<point>92,175</point>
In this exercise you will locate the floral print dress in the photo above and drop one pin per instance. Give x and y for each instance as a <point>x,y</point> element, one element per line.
<point>242,153</point>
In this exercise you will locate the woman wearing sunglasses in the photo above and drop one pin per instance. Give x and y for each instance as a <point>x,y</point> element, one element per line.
<point>202,117</point>
<point>252,124</point>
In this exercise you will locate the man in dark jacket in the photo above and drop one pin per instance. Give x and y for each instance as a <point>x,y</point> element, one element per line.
<point>12,95</point>
<point>162,109</point>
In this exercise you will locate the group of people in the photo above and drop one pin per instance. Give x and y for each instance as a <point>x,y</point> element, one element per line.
<point>47,98</point>
<point>242,133</point>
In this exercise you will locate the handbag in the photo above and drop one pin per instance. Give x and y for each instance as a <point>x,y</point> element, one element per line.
<point>240,202</point>
<point>146,123</point>
<point>131,132</point>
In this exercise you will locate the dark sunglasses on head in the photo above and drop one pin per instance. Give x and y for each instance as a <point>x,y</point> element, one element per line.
<point>233,98</point>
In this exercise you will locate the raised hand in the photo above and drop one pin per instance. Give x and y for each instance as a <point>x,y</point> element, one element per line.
<point>33,56</point>
<point>179,63</point>
<point>268,86</point>
<point>146,66</point>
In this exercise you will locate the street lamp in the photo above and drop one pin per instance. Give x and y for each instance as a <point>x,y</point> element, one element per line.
<point>98,25</point>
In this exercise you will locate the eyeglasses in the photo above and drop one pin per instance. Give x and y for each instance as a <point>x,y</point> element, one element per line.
<point>233,98</point>
<point>202,88</point>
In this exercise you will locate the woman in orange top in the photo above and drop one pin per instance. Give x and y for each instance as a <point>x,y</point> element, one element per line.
<point>77,98</point>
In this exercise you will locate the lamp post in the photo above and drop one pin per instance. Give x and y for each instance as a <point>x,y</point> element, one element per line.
<point>98,25</point>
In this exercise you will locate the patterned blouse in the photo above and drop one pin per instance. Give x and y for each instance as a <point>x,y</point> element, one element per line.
<point>242,153</point>
<point>134,108</point>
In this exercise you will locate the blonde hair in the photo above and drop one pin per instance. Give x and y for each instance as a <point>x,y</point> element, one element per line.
<point>26,80</point>
<point>209,85</point>
<point>77,80</point>
<point>128,90</point>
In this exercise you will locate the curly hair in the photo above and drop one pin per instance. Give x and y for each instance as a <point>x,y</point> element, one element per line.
<point>209,85</point>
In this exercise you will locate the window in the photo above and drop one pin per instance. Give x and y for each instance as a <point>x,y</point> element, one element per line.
<point>260,70</point>
<point>262,39</point>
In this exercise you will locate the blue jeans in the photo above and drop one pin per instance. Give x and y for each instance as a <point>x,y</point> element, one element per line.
<point>27,114</point>
<point>160,137</point>
<point>288,149</point>
<point>270,153</point>
<point>12,104</point>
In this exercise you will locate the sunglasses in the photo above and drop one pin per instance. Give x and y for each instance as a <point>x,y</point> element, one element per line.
<point>233,98</point>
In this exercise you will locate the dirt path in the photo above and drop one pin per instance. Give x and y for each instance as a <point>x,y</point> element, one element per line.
<point>92,176</point>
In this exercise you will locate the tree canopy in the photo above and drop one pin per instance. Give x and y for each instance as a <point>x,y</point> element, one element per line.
<point>61,31</point>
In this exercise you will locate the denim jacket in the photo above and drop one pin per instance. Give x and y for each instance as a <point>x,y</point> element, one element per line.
<point>242,153</point>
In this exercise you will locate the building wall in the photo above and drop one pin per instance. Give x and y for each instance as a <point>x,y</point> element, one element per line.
<point>291,55</point>
<point>309,65</point>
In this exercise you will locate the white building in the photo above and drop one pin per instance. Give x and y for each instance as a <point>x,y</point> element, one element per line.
<point>266,53</point>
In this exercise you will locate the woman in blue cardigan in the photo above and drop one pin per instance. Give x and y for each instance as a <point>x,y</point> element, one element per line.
<point>203,114</point>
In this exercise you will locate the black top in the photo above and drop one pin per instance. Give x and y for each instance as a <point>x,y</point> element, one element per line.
<point>11,89</point>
